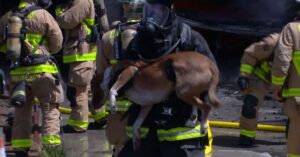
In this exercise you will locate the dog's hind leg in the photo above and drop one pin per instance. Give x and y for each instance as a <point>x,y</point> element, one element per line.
<point>196,101</point>
<point>137,125</point>
<point>123,78</point>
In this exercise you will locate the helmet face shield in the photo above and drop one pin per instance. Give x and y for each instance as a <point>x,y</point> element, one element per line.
<point>156,13</point>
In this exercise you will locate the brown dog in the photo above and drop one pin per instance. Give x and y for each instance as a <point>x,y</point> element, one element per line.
<point>195,75</point>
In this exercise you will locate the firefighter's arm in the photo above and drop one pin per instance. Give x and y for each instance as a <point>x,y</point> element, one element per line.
<point>102,63</point>
<point>54,34</point>
<point>69,18</point>
<point>282,57</point>
<point>258,52</point>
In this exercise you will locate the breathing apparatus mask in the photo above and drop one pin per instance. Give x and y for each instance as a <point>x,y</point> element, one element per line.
<point>155,34</point>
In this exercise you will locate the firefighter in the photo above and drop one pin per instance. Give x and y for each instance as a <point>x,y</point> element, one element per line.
<point>171,127</point>
<point>32,35</point>
<point>110,50</point>
<point>286,80</point>
<point>255,82</point>
<point>76,18</point>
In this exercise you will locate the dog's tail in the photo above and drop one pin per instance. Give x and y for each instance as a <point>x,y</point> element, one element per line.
<point>212,97</point>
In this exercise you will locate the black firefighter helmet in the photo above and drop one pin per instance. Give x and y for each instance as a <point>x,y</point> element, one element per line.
<point>167,3</point>
<point>154,36</point>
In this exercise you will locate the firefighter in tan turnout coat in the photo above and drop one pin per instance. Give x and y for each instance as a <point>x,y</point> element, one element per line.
<point>34,74</point>
<point>76,18</point>
<point>109,55</point>
<point>286,79</point>
<point>255,82</point>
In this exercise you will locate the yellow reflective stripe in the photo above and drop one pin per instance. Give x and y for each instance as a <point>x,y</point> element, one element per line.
<point>113,34</point>
<point>298,27</point>
<point>30,15</point>
<point>261,74</point>
<point>19,92</point>
<point>265,66</point>
<point>21,143</point>
<point>246,68</point>
<point>291,92</point>
<point>51,139</point>
<point>113,61</point>
<point>79,57</point>
<point>33,39</point>
<point>22,5</point>
<point>59,11</point>
<point>122,105</point>
<point>278,80</point>
<point>248,133</point>
<point>133,20</point>
<point>99,115</point>
<point>89,21</point>
<point>143,132</point>
<point>293,155</point>
<point>296,61</point>
<point>208,148</point>
<point>43,68</point>
<point>181,133</point>
<point>78,124</point>
<point>30,78</point>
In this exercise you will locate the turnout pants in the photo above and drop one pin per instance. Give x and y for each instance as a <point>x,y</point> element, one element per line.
<point>49,93</point>
<point>256,93</point>
<point>292,110</point>
<point>80,75</point>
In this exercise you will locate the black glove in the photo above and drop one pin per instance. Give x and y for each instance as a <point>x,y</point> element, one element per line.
<point>243,83</point>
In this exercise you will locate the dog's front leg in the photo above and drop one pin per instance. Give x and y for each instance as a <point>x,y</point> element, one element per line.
<point>123,78</point>
<point>137,125</point>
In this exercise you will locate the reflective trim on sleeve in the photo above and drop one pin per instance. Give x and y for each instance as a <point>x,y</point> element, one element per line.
<point>43,68</point>
<point>143,132</point>
<point>246,68</point>
<point>22,5</point>
<point>51,139</point>
<point>21,143</point>
<point>291,92</point>
<point>180,133</point>
<point>278,81</point>
<point>261,74</point>
<point>59,11</point>
<point>79,57</point>
<point>78,124</point>
<point>248,133</point>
